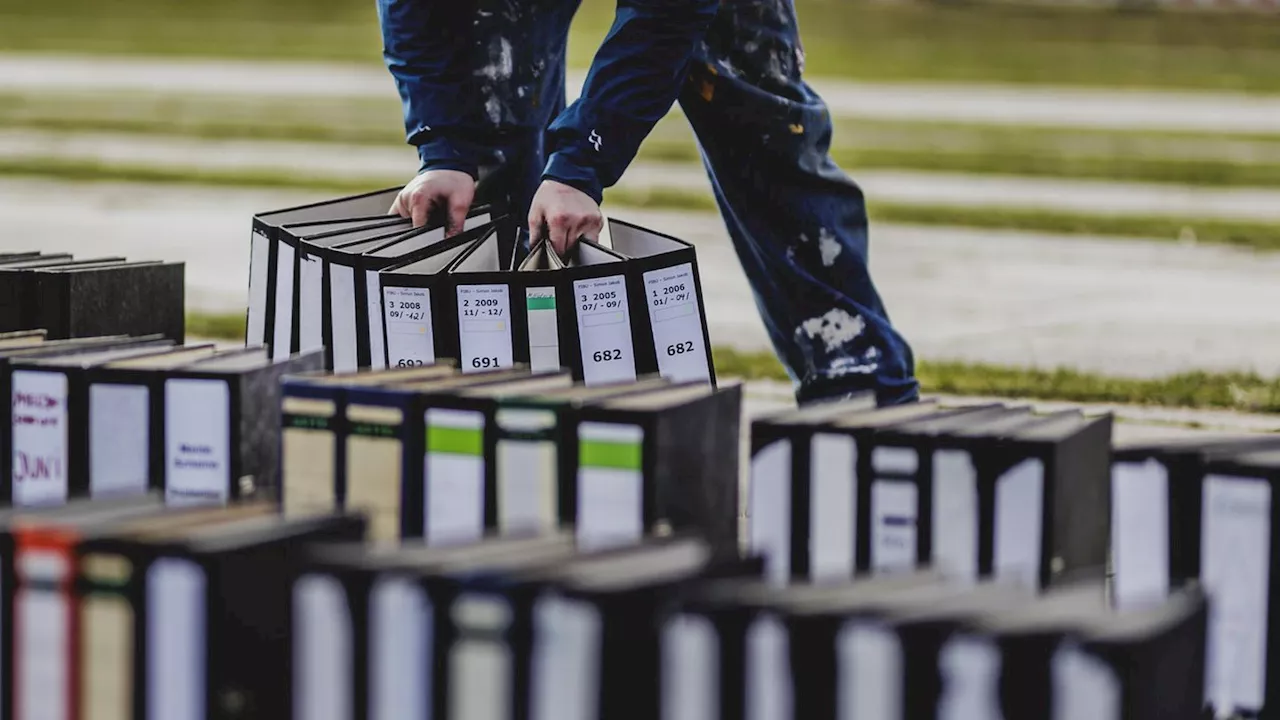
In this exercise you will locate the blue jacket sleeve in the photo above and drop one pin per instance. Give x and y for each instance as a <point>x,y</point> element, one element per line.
<point>425,46</point>
<point>636,76</point>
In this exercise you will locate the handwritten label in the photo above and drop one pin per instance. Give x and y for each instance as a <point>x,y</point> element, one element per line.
<point>410,339</point>
<point>677,323</point>
<point>39,437</point>
<point>197,441</point>
<point>484,327</point>
<point>604,330</point>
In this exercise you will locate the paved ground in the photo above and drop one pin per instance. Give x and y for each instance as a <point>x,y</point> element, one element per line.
<point>379,164</point>
<point>1123,307</point>
<point>1016,105</point>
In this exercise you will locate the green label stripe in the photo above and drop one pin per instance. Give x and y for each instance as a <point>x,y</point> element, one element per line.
<point>612,455</point>
<point>541,303</point>
<point>371,430</point>
<point>307,422</point>
<point>455,441</point>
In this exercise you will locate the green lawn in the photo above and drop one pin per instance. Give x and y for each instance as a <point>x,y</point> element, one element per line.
<point>1184,158</point>
<point>848,38</point>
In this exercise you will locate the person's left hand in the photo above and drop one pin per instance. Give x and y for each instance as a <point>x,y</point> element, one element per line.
<point>567,213</point>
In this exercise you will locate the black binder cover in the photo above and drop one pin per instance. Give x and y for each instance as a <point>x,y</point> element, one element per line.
<point>1240,571</point>
<point>1165,478</point>
<point>129,299</point>
<point>264,251</point>
<point>70,375</point>
<point>18,291</point>
<point>47,406</point>
<point>546,424</point>
<point>420,321</point>
<point>218,604</point>
<point>235,401</point>
<point>674,452</point>
<point>663,276</point>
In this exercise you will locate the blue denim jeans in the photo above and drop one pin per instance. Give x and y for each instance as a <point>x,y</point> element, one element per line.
<point>798,223</point>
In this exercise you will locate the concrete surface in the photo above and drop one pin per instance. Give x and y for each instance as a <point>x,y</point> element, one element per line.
<point>1014,105</point>
<point>1120,307</point>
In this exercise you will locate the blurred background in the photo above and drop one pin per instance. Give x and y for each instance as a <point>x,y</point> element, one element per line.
<point>1068,198</point>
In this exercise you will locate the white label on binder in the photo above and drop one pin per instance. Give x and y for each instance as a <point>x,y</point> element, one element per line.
<point>690,669</point>
<point>322,650</point>
<point>454,475</point>
<point>41,621</point>
<point>480,662</point>
<point>869,660</point>
<point>566,660</point>
<point>1084,687</point>
<point>411,340</point>
<point>833,500</point>
<point>1235,568</point>
<point>769,509</point>
<point>119,439</point>
<point>484,327</point>
<point>895,460</point>
<point>373,296</point>
<point>769,693</point>
<point>310,303</point>
<point>197,422</point>
<point>544,329</point>
<point>176,649</point>
<point>1140,532</point>
<point>970,670</point>
<point>1019,523</point>
<point>894,505</point>
<point>604,330</point>
<point>40,444</point>
<point>259,272</point>
<point>955,514</point>
<point>526,472</point>
<point>282,342</point>
<point>672,295</point>
<point>342,311</point>
<point>400,622</point>
<point>610,484</point>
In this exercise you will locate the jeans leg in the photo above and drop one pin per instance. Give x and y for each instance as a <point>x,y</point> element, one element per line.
<point>520,50</point>
<point>798,223</point>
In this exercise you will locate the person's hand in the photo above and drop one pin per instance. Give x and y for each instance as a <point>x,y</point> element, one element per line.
<point>449,191</point>
<point>566,212</point>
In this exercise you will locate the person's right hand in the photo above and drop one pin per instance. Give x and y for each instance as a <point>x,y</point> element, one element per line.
<point>450,191</point>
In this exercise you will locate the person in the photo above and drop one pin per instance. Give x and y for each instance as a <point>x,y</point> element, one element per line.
<point>483,86</point>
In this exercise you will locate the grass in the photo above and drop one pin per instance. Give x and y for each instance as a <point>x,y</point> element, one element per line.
<point>1241,234</point>
<point>859,39</point>
<point>1227,391</point>
<point>1181,158</point>
<point>1230,391</point>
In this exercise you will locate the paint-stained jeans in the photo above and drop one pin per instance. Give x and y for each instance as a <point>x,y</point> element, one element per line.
<point>798,223</point>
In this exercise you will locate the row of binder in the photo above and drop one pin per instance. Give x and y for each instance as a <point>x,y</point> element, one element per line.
<point>1204,510</point>
<point>372,291</point>
<point>121,415</point>
<point>444,455</point>
<point>69,297</point>
<point>535,629</point>
<point>843,488</point>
